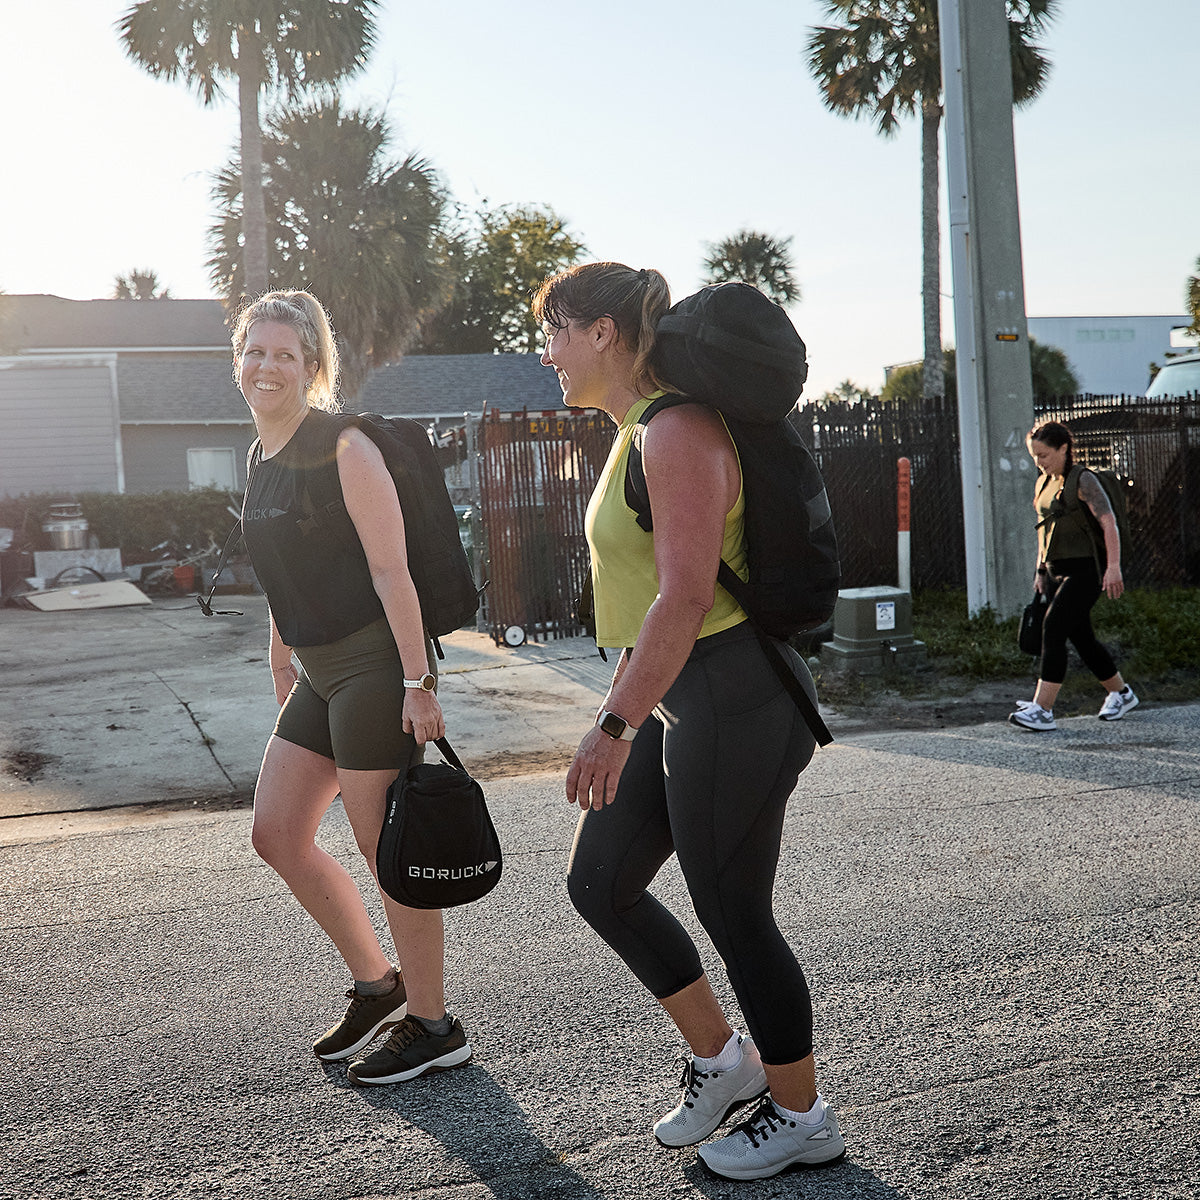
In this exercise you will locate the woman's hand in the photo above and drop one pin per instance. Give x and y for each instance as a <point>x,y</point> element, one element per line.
<point>423,716</point>
<point>1113,582</point>
<point>284,678</point>
<point>596,769</point>
<point>1039,583</point>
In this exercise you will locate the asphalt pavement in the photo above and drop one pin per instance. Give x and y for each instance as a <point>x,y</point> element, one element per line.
<point>999,930</point>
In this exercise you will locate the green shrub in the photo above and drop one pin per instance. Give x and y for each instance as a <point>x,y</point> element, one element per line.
<point>1154,634</point>
<point>134,523</point>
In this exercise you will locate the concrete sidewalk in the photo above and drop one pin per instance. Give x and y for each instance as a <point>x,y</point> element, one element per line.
<point>132,706</point>
<point>999,930</point>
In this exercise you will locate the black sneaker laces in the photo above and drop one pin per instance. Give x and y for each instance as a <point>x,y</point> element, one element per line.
<point>763,1122</point>
<point>691,1081</point>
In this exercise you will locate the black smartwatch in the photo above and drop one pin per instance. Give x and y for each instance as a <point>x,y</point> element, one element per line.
<point>616,727</point>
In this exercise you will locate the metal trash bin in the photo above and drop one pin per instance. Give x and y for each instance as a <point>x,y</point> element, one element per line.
<point>66,527</point>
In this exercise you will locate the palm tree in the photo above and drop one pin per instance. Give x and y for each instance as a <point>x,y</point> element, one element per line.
<point>758,259</point>
<point>883,62</point>
<point>140,284</point>
<point>285,45</point>
<point>1192,299</point>
<point>346,221</point>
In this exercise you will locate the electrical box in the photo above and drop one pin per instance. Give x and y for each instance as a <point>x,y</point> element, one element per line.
<point>872,631</point>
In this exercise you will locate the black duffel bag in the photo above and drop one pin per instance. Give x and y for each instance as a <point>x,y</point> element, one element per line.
<point>438,847</point>
<point>1029,636</point>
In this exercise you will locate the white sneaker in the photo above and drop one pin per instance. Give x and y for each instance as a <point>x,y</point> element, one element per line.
<point>1116,705</point>
<point>710,1096</point>
<point>1033,717</point>
<point>769,1143</point>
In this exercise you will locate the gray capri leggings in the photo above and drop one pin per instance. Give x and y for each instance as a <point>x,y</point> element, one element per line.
<point>708,778</point>
<point>348,703</point>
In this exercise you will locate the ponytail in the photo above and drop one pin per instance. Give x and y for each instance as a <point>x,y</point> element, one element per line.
<point>635,300</point>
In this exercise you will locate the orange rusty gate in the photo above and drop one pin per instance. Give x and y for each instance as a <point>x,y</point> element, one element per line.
<point>536,474</point>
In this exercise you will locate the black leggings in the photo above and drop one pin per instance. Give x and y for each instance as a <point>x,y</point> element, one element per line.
<point>1073,586</point>
<point>708,778</point>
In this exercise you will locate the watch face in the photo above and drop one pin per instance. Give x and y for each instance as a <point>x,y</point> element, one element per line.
<point>612,725</point>
<point>514,635</point>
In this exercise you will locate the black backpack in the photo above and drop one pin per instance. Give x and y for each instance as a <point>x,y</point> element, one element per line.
<point>732,348</point>
<point>436,558</point>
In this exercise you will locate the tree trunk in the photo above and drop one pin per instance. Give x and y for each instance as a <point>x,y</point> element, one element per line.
<point>933,374</point>
<point>254,212</point>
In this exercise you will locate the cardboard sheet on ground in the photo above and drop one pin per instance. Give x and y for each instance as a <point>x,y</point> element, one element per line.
<point>112,594</point>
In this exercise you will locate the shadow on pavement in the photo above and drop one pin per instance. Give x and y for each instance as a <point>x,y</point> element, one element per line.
<point>843,1181</point>
<point>482,1127</point>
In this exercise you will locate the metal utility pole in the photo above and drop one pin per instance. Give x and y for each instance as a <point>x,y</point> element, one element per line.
<point>995,391</point>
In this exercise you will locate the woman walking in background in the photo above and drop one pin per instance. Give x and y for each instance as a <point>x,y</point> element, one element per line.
<point>665,769</point>
<point>343,603</point>
<point>1073,567</point>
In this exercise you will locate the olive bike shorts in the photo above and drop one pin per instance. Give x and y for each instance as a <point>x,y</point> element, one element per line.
<point>348,704</point>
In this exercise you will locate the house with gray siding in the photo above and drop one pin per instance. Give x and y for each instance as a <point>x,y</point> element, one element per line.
<point>138,395</point>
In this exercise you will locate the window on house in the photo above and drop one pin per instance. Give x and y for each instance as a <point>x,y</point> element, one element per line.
<point>211,468</point>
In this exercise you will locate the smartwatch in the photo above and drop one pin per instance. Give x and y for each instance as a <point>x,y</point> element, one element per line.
<point>616,727</point>
<point>425,684</point>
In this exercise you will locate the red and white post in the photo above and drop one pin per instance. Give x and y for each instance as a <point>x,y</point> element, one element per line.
<point>904,524</point>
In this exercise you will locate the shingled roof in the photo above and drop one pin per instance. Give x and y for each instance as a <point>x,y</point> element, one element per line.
<point>49,323</point>
<point>198,387</point>
<point>173,364</point>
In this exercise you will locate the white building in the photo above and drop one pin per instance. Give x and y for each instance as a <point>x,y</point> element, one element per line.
<point>1113,355</point>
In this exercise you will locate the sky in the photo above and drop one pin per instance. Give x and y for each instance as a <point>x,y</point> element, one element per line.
<point>653,127</point>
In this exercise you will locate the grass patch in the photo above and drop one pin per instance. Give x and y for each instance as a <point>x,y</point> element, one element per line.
<point>1154,635</point>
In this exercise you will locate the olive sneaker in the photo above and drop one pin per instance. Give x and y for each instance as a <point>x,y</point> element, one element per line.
<point>365,1019</point>
<point>769,1143</point>
<point>1117,704</point>
<point>411,1051</point>
<point>710,1096</point>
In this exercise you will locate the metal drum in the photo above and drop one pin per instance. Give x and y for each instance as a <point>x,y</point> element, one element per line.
<point>66,527</point>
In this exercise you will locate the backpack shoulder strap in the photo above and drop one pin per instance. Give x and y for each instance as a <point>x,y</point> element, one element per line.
<point>322,487</point>
<point>637,496</point>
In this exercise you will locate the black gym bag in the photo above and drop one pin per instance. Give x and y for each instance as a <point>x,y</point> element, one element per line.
<point>438,847</point>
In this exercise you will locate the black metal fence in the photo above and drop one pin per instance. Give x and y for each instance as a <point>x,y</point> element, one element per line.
<point>538,471</point>
<point>1154,447</point>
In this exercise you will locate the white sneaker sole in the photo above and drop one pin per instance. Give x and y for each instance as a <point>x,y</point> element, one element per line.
<point>800,1163</point>
<point>447,1062</point>
<point>393,1018</point>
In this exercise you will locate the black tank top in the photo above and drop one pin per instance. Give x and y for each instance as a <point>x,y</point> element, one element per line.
<point>315,575</point>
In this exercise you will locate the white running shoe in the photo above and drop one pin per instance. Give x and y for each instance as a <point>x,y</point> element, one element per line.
<point>769,1143</point>
<point>1033,717</point>
<point>1117,704</point>
<point>710,1096</point>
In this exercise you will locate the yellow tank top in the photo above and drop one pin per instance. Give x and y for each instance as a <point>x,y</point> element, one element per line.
<point>624,578</point>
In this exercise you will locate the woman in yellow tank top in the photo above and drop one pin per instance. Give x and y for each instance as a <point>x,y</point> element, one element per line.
<point>697,745</point>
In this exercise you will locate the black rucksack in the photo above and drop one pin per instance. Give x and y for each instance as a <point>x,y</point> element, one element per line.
<point>732,348</point>
<point>437,561</point>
